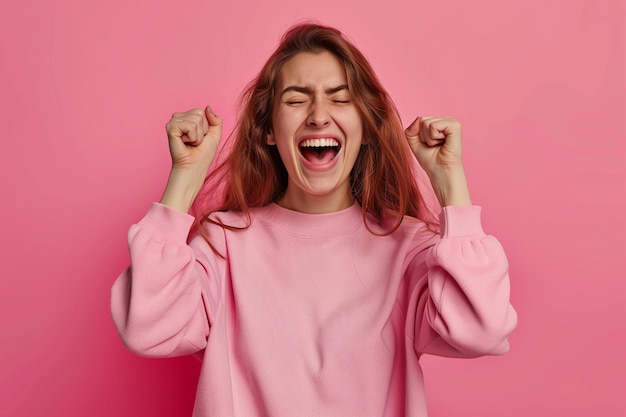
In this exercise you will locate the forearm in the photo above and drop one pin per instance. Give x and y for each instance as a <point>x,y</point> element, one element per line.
<point>182,188</point>
<point>450,186</point>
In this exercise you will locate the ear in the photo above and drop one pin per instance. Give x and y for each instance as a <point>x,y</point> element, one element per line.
<point>270,139</point>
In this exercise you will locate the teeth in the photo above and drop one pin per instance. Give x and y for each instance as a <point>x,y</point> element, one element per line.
<point>319,143</point>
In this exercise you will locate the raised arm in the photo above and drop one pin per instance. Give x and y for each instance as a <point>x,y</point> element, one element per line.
<point>462,303</point>
<point>161,304</point>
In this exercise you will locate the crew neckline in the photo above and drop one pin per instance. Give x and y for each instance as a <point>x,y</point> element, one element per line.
<point>297,223</point>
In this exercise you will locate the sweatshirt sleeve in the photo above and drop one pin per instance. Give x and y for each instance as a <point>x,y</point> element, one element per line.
<point>160,304</point>
<point>463,301</point>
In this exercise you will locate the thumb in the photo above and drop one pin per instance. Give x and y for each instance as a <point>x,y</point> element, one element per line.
<point>215,122</point>
<point>413,130</point>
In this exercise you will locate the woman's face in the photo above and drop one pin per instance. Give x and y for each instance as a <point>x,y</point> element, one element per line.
<point>318,132</point>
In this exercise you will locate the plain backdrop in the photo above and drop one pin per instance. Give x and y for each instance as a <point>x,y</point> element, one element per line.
<point>86,88</point>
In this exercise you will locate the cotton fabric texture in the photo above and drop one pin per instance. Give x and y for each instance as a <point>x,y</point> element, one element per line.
<point>312,314</point>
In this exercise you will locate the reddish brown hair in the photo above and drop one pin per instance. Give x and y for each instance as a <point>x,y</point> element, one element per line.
<point>383,178</point>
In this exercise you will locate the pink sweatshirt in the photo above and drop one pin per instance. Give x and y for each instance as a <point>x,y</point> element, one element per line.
<point>313,315</point>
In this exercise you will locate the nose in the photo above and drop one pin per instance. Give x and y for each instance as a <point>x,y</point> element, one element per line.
<point>319,116</point>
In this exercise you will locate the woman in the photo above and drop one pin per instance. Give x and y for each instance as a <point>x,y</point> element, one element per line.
<point>314,286</point>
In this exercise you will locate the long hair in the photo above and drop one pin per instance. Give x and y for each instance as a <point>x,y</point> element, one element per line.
<point>383,180</point>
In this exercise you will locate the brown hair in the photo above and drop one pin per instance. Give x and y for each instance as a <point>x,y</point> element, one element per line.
<point>383,179</point>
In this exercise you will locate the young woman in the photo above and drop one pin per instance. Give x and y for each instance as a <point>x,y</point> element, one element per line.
<point>315,284</point>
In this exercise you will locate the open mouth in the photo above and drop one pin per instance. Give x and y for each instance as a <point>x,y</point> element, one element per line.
<point>320,151</point>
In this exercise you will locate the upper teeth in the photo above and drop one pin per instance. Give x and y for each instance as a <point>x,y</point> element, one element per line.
<point>318,143</point>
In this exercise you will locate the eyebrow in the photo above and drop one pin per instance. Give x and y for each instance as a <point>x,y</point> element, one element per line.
<point>309,91</point>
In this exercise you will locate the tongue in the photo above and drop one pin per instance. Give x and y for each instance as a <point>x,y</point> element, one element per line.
<point>318,155</point>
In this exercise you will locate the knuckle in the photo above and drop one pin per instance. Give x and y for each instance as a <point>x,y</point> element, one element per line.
<point>196,118</point>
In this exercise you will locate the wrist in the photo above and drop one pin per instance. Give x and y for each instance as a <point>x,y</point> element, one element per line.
<point>451,188</point>
<point>183,185</point>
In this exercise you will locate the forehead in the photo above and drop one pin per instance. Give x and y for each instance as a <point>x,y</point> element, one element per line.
<point>312,69</point>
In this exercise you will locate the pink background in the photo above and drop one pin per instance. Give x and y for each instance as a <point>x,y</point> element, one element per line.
<point>87,86</point>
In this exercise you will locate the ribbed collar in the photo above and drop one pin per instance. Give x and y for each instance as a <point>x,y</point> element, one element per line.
<point>295,223</point>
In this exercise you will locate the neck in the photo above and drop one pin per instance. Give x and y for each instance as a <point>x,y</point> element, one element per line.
<point>315,204</point>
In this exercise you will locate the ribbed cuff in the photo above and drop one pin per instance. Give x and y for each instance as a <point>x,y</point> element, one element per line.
<point>167,223</point>
<point>461,221</point>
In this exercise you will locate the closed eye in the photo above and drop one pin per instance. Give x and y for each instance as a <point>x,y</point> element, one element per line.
<point>295,100</point>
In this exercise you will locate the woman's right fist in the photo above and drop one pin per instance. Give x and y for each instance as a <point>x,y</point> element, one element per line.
<point>193,138</point>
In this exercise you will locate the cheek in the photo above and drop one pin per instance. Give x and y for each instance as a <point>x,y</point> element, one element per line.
<point>284,124</point>
<point>352,120</point>
<point>355,132</point>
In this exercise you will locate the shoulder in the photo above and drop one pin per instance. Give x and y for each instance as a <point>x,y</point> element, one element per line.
<point>411,236</point>
<point>221,221</point>
<point>227,218</point>
<point>409,226</point>
<point>420,234</point>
